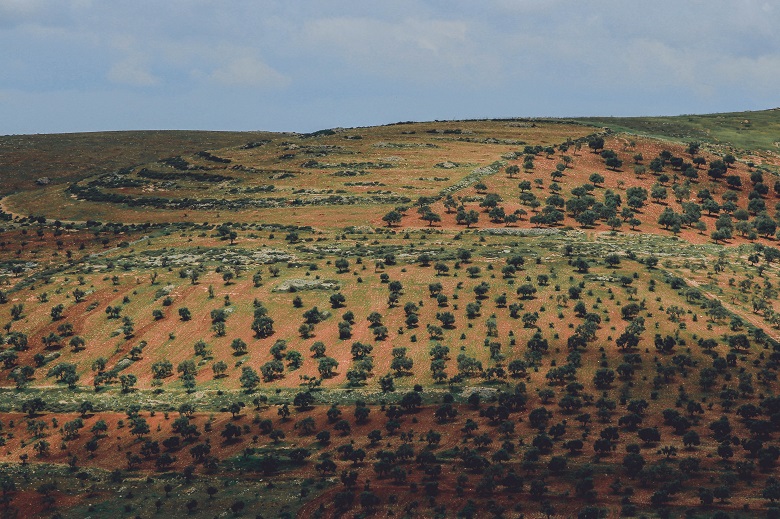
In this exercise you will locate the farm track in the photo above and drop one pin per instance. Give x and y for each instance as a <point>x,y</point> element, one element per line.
<point>747,316</point>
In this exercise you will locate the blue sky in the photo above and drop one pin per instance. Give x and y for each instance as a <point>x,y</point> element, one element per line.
<point>90,65</point>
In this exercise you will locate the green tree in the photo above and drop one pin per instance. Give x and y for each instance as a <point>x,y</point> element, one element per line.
<point>249,378</point>
<point>392,218</point>
<point>327,367</point>
<point>238,346</point>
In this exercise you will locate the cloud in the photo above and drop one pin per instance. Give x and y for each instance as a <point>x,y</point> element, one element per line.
<point>43,13</point>
<point>132,71</point>
<point>762,72</point>
<point>19,11</point>
<point>416,50</point>
<point>248,72</point>
<point>354,62</point>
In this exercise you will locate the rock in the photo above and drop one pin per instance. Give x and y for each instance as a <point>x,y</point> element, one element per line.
<point>51,356</point>
<point>446,165</point>
<point>296,285</point>
<point>483,392</point>
<point>123,364</point>
<point>514,231</point>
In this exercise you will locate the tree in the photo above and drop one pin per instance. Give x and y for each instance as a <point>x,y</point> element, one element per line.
<point>360,350</point>
<point>771,489</point>
<point>56,312</point>
<point>658,193</point>
<point>337,300</point>
<point>613,260</point>
<point>603,378</point>
<point>139,427</point>
<point>450,204</point>
<point>581,265</point>
<point>238,346</point>
<point>380,332</point>
<point>613,163</point>
<point>717,170</point>
<point>219,368</point>
<point>18,340</point>
<point>596,179</point>
<point>33,406</point>
<point>345,330</point>
<point>424,259</point>
<point>765,225</point>
<point>162,369</point>
<point>586,218</point>
<point>691,439</point>
<point>263,326</point>
<point>473,309</point>
<point>431,217</point>
<point>249,379</point>
<point>497,214</point>
<point>52,340</point>
<point>313,316</point>
<point>326,367</point>
<point>481,289</point>
<point>201,349</point>
<point>16,311</point>
<point>669,218</point>
<point>392,218</point>
<point>539,418</point>
<point>411,401</point>
<point>387,384</point>
<point>596,143</point>
<point>472,217</point>
<point>326,466</point>
<point>76,343</point>
<point>342,265</point>
<point>756,205</point>
<point>127,382</point>
<point>187,367</point>
<point>303,401</point>
<point>526,291</point>
<point>375,319</point>
<point>401,364</point>
<point>41,447</point>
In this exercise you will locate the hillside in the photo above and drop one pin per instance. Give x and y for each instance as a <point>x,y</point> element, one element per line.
<point>550,318</point>
<point>69,157</point>
<point>748,131</point>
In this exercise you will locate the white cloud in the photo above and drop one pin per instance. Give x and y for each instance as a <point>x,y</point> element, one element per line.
<point>762,73</point>
<point>411,50</point>
<point>248,72</point>
<point>132,71</point>
<point>21,10</point>
<point>405,59</point>
<point>46,13</point>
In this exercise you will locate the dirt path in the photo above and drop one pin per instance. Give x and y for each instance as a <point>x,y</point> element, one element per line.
<point>745,316</point>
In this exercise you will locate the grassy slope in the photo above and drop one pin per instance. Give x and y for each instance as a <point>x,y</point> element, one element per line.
<point>72,156</point>
<point>743,130</point>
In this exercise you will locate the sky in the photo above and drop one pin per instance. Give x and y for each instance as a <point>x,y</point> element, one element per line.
<point>289,65</point>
